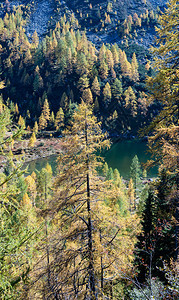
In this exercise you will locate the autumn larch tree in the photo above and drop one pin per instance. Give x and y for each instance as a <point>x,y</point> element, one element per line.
<point>163,141</point>
<point>130,101</point>
<point>87,225</point>
<point>134,68</point>
<point>96,86</point>
<point>135,172</point>
<point>17,230</point>
<point>59,120</point>
<point>79,145</point>
<point>107,94</point>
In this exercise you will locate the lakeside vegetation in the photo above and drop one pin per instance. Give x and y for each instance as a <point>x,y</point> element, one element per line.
<point>86,233</point>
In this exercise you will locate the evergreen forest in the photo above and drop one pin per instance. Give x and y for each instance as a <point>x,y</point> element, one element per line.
<point>77,77</point>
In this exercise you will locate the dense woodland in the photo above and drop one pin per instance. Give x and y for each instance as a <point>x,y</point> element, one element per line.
<point>86,233</point>
<point>52,75</point>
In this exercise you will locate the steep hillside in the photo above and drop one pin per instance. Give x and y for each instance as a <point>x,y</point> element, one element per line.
<point>48,63</point>
<point>93,16</point>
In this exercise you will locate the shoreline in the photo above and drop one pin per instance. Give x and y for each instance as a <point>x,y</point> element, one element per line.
<point>43,147</point>
<point>46,145</point>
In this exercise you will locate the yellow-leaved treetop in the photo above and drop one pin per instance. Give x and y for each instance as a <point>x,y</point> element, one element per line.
<point>130,101</point>
<point>32,140</point>
<point>59,120</point>
<point>107,93</point>
<point>96,86</point>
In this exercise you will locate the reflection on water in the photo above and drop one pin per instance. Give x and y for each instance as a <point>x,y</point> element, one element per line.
<point>119,156</point>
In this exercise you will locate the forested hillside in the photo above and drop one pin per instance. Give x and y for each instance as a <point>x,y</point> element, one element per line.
<point>84,76</point>
<point>65,65</point>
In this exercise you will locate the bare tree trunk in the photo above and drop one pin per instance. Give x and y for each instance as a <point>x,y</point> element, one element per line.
<point>102,273</point>
<point>150,275</point>
<point>177,219</point>
<point>47,246</point>
<point>90,241</point>
<point>111,290</point>
<point>50,286</point>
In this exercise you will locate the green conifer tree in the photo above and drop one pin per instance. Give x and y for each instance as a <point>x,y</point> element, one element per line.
<point>135,172</point>
<point>117,89</point>
<point>107,93</point>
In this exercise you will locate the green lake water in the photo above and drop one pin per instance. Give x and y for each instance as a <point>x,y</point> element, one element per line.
<point>119,156</point>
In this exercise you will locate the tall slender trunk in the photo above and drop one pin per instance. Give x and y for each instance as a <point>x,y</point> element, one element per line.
<point>102,272</point>
<point>177,219</point>
<point>150,274</point>
<point>90,240</point>
<point>111,290</point>
<point>75,279</point>
<point>50,286</point>
<point>46,233</point>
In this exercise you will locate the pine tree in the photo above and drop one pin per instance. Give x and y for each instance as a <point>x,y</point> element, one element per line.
<point>117,89</point>
<point>117,177</point>
<point>144,173</point>
<point>96,105</point>
<point>75,200</point>
<point>145,246</point>
<point>130,101</point>
<point>96,86</point>
<point>21,122</point>
<point>2,85</point>
<point>43,183</point>
<point>107,93</point>
<point>110,174</point>
<point>59,120</point>
<point>102,53</point>
<point>46,110</point>
<point>42,122</point>
<point>87,96</point>
<point>52,119</point>
<point>114,50</point>
<point>83,83</point>
<point>125,65</point>
<point>157,242</point>
<point>103,70</point>
<point>76,193</point>
<point>109,59</point>
<point>32,140</point>
<point>16,109</point>
<point>64,103</point>
<point>135,172</point>
<point>131,194</point>
<point>35,40</point>
<point>113,120</point>
<point>38,81</point>
<point>30,181</point>
<point>105,169</point>
<point>134,67</point>
<point>107,19</point>
<point>35,128</point>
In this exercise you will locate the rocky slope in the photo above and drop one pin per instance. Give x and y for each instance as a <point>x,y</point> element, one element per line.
<point>90,13</point>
